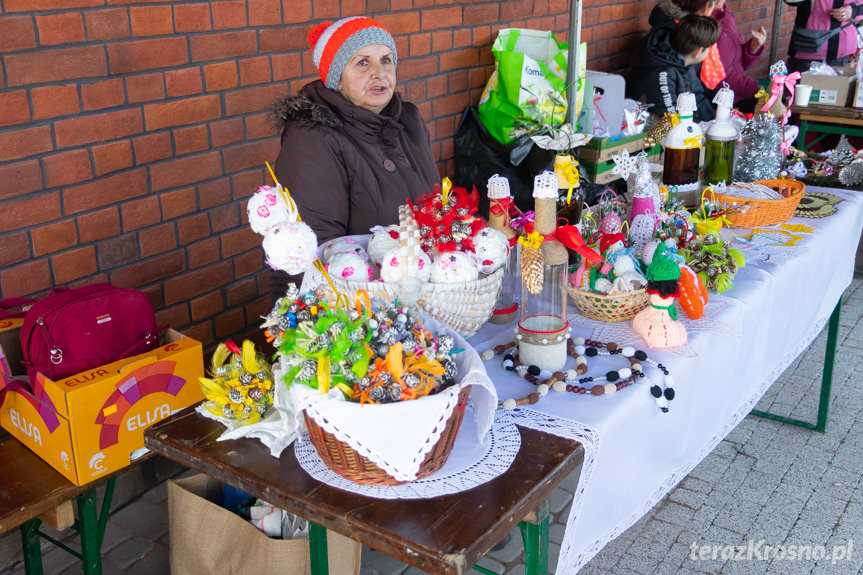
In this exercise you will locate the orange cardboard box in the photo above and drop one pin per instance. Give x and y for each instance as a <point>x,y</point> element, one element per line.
<point>92,423</point>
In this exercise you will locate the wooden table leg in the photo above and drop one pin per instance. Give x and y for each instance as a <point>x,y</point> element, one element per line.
<point>318,557</point>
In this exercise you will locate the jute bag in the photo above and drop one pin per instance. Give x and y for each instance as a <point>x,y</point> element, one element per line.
<point>207,539</point>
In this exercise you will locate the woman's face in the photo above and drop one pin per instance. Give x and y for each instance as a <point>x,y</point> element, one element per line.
<point>369,79</point>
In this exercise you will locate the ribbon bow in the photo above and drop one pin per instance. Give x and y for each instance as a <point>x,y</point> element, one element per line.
<point>693,142</point>
<point>531,240</point>
<point>672,311</point>
<point>446,186</point>
<point>522,220</point>
<point>570,173</point>
<point>673,118</point>
<point>778,83</point>
<point>500,207</point>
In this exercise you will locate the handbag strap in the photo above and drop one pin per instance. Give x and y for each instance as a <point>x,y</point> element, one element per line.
<point>12,302</point>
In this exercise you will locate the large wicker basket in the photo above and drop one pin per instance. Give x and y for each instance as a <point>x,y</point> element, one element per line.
<point>609,308</point>
<point>344,460</point>
<point>464,306</point>
<point>765,212</point>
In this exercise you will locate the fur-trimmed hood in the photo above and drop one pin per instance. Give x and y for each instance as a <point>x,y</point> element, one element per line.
<point>302,110</point>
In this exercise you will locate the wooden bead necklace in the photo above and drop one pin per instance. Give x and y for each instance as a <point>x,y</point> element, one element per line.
<point>570,381</point>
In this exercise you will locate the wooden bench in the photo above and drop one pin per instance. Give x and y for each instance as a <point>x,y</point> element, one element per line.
<point>33,492</point>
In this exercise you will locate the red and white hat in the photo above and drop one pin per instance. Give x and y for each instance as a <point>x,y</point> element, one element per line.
<point>333,44</point>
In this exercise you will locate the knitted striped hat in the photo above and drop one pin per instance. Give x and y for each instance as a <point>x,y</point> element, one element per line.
<point>333,44</point>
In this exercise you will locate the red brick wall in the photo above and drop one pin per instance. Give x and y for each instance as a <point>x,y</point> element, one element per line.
<point>132,133</point>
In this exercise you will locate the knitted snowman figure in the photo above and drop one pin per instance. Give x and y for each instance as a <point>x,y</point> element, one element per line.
<point>658,324</point>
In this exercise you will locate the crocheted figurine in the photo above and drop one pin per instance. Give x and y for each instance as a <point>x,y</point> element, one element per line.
<point>658,324</point>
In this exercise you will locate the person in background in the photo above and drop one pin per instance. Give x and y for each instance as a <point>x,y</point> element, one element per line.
<point>667,13</point>
<point>664,66</point>
<point>352,150</point>
<point>738,54</point>
<point>826,15</point>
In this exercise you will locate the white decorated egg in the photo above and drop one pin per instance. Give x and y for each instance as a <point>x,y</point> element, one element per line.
<point>290,247</point>
<point>453,267</point>
<point>350,266</point>
<point>266,210</point>
<point>492,249</point>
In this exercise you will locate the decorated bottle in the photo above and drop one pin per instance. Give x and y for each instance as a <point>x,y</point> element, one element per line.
<point>569,194</point>
<point>683,151</point>
<point>721,139</point>
<point>543,327</point>
<point>500,200</point>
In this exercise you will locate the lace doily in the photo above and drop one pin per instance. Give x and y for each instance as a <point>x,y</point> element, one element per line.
<point>470,463</point>
<point>622,333</point>
<point>773,246</point>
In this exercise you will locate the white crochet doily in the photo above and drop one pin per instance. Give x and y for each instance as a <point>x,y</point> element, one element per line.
<point>774,247</point>
<point>470,463</point>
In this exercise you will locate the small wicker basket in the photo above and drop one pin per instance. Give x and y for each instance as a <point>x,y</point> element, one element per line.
<point>765,212</point>
<point>463,306</point>
<point>609,308</point>
<point>345,461</point>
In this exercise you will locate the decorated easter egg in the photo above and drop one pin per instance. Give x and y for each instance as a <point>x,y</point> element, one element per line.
<point>382,241</point>
<point>454,267</point>
<point>267,209</point>
<point>350,266</point>
<point>391,268</point>
<point>492,249</point>
<point>343,246</point>
<point>290,247</point>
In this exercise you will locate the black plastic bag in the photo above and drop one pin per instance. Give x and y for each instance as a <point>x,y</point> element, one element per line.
<point>478,156</point>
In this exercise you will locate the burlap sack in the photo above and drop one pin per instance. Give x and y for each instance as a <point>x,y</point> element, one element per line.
<point>207,539</point>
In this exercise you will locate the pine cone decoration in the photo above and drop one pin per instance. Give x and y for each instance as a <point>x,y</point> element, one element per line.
<point>658,132</point>
<point>531,269</point>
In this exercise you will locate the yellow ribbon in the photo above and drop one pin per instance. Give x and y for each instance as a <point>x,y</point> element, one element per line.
<point>673,118</point>
<point>531,240</point>
<point>446,184</point>
<point>324,374</point>
<point>760,93</point>
<point>341,299</point>
<point>569,171</point>
<point>693,142</point>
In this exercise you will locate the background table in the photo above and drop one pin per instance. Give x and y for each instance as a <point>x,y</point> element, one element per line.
<point>445,535</point>
<point>827,120</point>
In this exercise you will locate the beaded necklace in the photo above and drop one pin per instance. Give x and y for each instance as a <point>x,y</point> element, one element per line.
<point>571,380</point>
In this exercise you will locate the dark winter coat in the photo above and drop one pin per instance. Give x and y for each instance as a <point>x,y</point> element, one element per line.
<point>348,168</point>
<point>658,75</point>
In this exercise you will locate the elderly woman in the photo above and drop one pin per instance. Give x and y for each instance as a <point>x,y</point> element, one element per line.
<point>352,149</point>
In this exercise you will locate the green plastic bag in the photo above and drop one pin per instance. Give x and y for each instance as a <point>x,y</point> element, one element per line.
<point>527,90</point>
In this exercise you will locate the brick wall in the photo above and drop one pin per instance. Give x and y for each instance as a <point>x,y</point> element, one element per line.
<point>132,133</point>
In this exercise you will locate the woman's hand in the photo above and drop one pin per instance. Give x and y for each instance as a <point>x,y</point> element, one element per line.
<point>759,37</point>
<point>842,14</point>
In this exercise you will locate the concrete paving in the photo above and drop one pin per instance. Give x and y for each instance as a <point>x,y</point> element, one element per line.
<point>770,499</point>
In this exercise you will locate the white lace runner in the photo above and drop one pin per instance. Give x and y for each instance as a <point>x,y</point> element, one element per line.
<point>470,463</point>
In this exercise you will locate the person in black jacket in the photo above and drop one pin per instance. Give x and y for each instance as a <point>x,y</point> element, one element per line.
<point>665,65</point>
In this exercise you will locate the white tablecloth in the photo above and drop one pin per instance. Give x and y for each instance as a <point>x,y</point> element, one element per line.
<point>635,454</point>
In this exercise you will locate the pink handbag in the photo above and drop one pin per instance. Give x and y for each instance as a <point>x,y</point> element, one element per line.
<point>73,330</point>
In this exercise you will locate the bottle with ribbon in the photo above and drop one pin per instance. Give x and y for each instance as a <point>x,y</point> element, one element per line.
<point>543,327</point>
<point>721,140</point>
<point>683,151</point>
<point>500,202</point>
<point>570,197</point>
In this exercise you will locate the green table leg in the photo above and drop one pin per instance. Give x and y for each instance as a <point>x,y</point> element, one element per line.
<point>826,380</point>
<point>534,533</point>
<point>31,546</point>
<point>318,549</point>
<point>801,135</point>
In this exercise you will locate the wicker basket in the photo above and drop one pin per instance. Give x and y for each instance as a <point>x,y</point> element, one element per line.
<point>344,460</point>
<point>464,306</point>
<point>765,212</point>
<point>610,308</point>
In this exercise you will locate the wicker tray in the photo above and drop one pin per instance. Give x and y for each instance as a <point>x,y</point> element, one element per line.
<point>344,460</point>
<point>609,308</point>
<point>464,306</point>
<point>765,212</point>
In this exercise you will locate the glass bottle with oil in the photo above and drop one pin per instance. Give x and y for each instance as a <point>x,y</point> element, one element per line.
<point>721,140</point>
